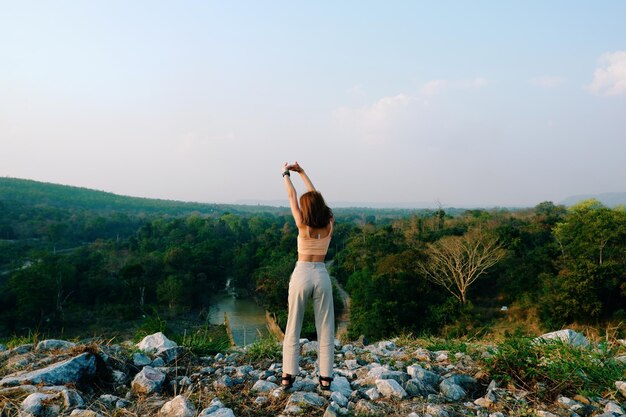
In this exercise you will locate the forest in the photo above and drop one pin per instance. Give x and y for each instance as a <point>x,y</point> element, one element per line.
<point>72,257</point>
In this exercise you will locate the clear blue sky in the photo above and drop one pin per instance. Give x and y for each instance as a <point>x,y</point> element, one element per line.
<point>464,103</point>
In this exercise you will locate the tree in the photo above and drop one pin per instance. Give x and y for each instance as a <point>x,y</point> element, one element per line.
<point>456,262</point>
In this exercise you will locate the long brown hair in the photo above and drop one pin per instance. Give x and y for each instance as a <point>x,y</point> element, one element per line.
<point>315,212</point>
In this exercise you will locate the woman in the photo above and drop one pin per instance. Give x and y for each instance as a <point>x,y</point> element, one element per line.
<point>309,280</point>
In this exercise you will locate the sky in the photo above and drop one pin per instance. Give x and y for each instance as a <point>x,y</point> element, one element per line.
<point>457,103</point>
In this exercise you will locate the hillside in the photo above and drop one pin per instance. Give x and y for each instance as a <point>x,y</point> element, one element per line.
<point>66,196</point>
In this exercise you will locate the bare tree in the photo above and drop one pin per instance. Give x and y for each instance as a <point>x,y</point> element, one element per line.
<point>455,262</point>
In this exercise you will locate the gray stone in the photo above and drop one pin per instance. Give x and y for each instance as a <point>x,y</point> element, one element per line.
<point>613,407</point>
<point>342,385</point>
<point>85,413</point>
<point>365,407</point>
<point>436,411</point>
<point>427,377</point>
<point>566,336</point>
<point>169,355</point>
<point>3,348</point>
<point>69,371</point>
<point>19,391</point>
<point>19,350</point>
<point>306,398</point>
<point>39,404</point>
<point>331,411</point>
<point>109,400</point>
<point>148,381</point>
<point>72,399</point>
<point>372,394</point>
<point>178,407</point>
<point>450,390</point>
<point>155,343</point>
<point>261,400</point>
<point>467,382</point>
<point>621,387</point>
<point>158,362</point>
<point>141,360</point>
<point>416,387</point>
<point>263,386</point>
<point>309,347</point>
<point>423,355</point>
<point>53,344</point>
<point>543,413</point>
<point>119,377</point>
<point>305,384</point>
<point>221,412</point>
<point>17,362</point>
<point>339,398</point>
<point>224,382</point>
<point>390,388</point>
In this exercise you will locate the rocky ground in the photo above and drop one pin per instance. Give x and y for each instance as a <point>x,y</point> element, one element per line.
<point>158,378</point>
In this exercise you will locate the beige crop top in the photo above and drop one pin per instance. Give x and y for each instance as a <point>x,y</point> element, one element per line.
<point>308,245</point>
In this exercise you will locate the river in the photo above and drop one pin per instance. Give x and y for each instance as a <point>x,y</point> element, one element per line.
<point>246,318</point>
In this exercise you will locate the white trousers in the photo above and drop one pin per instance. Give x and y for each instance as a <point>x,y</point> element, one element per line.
<point>310,280</point>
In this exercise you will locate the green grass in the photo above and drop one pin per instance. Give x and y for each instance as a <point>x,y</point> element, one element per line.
<point>33,337</point>
<point>207,340</point>
<point>265,348</point>
<point>552,368</point>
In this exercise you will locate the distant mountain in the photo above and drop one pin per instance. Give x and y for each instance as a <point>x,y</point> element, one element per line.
<point>69,197</point>
<point>608,199</point>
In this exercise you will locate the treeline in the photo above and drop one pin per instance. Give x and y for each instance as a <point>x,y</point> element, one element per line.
<point>428,271</point>
<point>568,265</point>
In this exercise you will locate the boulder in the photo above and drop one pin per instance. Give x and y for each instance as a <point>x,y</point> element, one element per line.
<point>306,398</point>
<point>263,386</point>
<point>39,404</point>
<point>156,343</point>
<point>566,336</point>
<point>53,344</point>
<point>390,388</point>
<point>70,371</point>
<point>178,407</point>
<point>148,381</point>
<point>85,413</point>
<point>450,390</point>
<point>140,360</point>
<point>342,385</point>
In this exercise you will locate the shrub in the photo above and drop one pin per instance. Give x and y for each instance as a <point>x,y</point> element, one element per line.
<point>550,368</point>
<point>265,348</point>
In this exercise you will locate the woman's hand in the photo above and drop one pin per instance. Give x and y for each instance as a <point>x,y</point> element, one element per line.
<point>295,167</point>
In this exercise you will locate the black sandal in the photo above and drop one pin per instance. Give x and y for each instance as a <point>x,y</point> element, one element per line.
<point>325,379</point>
<point>289,378</point>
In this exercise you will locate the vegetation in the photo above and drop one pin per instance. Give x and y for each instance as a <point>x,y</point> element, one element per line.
<point>73,257</point>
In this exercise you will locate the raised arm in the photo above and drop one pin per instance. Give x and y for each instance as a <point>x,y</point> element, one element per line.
<point>305,178</point>
<point>293,196</point>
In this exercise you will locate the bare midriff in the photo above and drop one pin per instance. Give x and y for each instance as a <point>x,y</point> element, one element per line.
<point>310,258</point>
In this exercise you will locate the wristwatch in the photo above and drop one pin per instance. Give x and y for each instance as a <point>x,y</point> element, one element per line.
<point>286,173</point>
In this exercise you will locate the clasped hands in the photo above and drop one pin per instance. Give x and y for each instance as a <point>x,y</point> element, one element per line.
<point>292,167</point>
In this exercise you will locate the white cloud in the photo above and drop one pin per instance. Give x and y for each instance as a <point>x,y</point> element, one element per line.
<point>433,87</point>
<point>546,81</point>
<point>610,78</point>
<point>378,122</point>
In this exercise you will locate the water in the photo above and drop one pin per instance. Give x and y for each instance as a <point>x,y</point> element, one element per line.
<point>246,318</point>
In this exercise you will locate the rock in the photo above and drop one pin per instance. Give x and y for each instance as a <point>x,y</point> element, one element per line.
<point>305,384</point>
<point>169,355</point>
<point>331,411</point>
<point>306,398</point>
<point>621,359</point>
<point>423,355</point>
<point>39,404</point>
<point>156,343</point>
<point>224,382</point>
<point>140,360</point>
<point>390,388</point>
<point>364,407</point>
<point>85,413</point>
<point>148,381</point>
<point>17,362</point>
<point>620,385</point>
<point>309,347</point>
<point>222,412</point>
<point>261,400</point>
<point>612,407</point>
<point>3,348</point>
<point>52,344</point>
<point>70,371</point>
<point>72,399</point>
<point>263,386</point>
<point>178,407</point>
<point>339,398</point>
<point>450,390</point>
<point>372,394</point>
<point>342,385</point>
<point>542,413</point>
<point>427,377</point>
<point>566,336</point>
<point>109,400</point>
<point>19,350</point>
<point>158,362</point>
<point>415,388</point>
<point>19,391</point>
<point>436,411</point>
